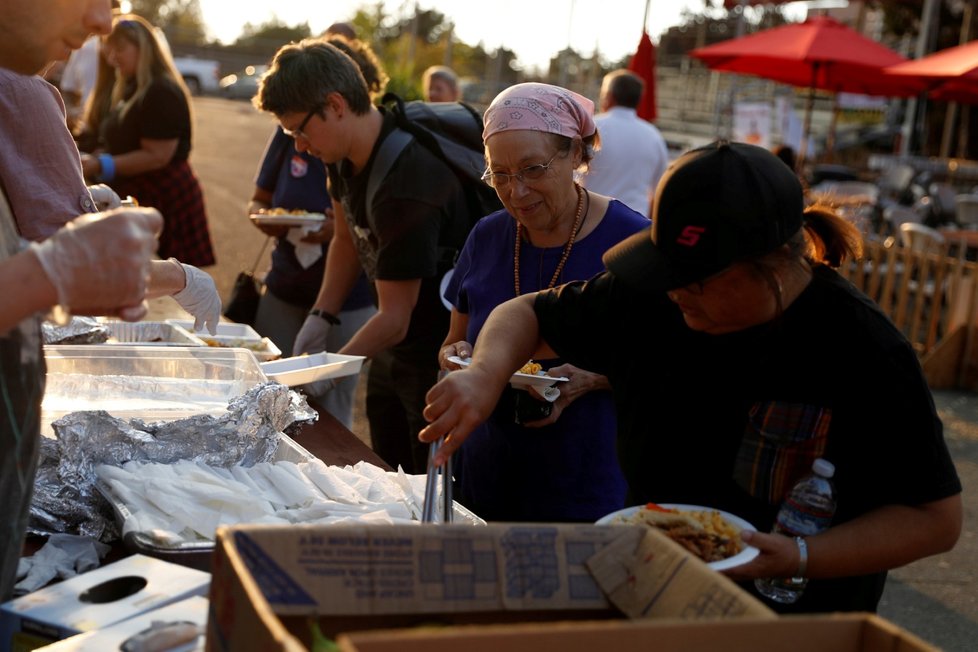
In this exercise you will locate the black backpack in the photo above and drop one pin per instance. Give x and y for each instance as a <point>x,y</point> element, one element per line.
<point>450,130</point>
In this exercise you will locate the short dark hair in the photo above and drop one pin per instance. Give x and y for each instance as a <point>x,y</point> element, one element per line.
<point>624,87</point>
<point>303,74</point>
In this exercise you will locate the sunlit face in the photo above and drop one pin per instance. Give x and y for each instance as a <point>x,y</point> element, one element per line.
<point>123,55</point>
<point>731,300</point>
<point>35,32</point>
<point>440,90</point>
<point>538,204</point>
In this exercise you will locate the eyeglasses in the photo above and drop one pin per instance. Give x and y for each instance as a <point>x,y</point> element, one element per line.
<point>298,131</point>
<point>697,287</point>
<point>529,173</point>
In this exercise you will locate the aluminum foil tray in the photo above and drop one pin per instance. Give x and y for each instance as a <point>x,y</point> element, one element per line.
<point>232,335</point>
<point>149,333</point>
<point>151,383</point>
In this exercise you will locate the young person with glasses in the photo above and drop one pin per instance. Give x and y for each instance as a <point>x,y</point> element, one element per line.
<point>292,179</point>
<point>318,94</point>
<point>535,460</point>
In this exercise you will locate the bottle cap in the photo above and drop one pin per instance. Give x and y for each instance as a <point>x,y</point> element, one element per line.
<point>823,468</point>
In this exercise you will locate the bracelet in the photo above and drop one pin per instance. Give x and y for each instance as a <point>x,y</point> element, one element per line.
<point>328,316</point>
<point>802,556</point>
<point>108,167</point>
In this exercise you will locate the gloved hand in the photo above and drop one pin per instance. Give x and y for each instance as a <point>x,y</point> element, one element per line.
<point>105,198</point>
<point>311,338</point>
<point>199,297</point>
<point>99,264</point>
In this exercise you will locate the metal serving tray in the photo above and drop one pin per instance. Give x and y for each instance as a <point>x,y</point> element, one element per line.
<point>151,383</point>
<point>195,554</point>
<point>232,335</point>
<point>149,333</point>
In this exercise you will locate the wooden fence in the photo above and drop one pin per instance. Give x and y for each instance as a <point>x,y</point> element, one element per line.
<point>933,299</point>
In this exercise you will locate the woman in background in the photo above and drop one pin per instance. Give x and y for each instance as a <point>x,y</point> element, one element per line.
<point>144,141</point>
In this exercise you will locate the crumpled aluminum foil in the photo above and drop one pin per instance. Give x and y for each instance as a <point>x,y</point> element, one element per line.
<point>65,497</point>
<point>80,330</point>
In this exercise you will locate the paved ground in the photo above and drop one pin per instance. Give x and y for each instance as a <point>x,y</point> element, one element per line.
<point>935,598</point>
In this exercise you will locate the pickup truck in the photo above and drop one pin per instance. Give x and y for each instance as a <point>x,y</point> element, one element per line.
<point>200,75</point>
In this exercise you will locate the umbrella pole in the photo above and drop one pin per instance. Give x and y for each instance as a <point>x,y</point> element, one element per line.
<point>806,132</point>
<point>830,139</point>
<point>803,150</point>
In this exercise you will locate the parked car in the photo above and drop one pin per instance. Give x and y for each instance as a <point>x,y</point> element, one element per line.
<point>200,75</point>
<point>242,85</point>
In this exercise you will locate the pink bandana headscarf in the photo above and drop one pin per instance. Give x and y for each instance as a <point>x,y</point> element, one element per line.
<point>540,107</point>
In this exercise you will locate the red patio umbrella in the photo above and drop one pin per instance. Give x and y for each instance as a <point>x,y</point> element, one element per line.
<point>643,65</point>
<point>820,53</point>
<point>951,74</point>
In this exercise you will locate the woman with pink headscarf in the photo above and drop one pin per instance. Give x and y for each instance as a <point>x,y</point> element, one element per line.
<point>534,459</point>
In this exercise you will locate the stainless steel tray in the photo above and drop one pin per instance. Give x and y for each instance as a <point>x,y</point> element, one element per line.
<point>186,553</point>
<point>151,383</point>
<point>197,553</point>
<point>149,333</point>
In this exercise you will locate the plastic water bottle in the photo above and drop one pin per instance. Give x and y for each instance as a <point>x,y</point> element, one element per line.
<point>806,511</point>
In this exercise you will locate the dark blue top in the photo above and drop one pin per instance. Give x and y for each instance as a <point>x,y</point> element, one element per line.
<point>297,180</point>
<point>567,471</point>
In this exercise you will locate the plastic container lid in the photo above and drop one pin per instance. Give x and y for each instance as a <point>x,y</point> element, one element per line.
<point>823,468</point>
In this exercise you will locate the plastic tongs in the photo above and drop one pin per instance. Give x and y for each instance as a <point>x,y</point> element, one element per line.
<point>431,508</point>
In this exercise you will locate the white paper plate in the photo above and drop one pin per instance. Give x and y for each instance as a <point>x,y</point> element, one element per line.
<point>744,556</point>
<point>303,369</point>
<point>518,380</point>
<point>288,219</point>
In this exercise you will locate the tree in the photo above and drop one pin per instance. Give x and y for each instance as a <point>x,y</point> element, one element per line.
<point>180,20</point>
<point>268,37</point>
<point>407,44</point>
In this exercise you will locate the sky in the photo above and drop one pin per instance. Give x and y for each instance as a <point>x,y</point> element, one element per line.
<point>534,30</point>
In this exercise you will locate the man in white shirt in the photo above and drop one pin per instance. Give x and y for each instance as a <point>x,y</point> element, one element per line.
<point>78,78</point>
<point>633,154</point>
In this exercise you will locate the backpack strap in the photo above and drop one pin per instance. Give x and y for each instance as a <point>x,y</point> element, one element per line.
<point>392,147</point>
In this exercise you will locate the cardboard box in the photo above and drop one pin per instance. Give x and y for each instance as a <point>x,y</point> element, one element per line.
<point>272,584</point>
<point>192,612</point>
<point>822,633</point>
<point>96,599</point>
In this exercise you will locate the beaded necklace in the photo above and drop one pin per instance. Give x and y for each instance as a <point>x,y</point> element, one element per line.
<point>567,247</point>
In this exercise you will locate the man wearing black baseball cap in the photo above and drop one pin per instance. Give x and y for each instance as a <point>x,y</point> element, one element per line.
<point>737,356</point>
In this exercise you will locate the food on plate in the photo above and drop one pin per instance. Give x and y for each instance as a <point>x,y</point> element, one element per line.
<point>283,211</point>
<point>253,345</point>
<point>705,533</point>
<point>531,368</point>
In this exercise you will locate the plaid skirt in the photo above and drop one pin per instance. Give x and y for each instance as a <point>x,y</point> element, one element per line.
<point>175,192</point>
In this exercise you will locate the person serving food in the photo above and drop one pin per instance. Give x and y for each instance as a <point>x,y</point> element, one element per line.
<point>737,356</point>
<point>534,460</point>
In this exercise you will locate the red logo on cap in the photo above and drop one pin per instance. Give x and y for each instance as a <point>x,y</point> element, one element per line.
<point>690,235</point>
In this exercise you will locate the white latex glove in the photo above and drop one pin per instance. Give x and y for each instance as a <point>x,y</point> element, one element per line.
<point>200,298</point>
<point>105,198</point>
<point>64,556</point>
<point>99,264</point>
<point>311,338</point>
